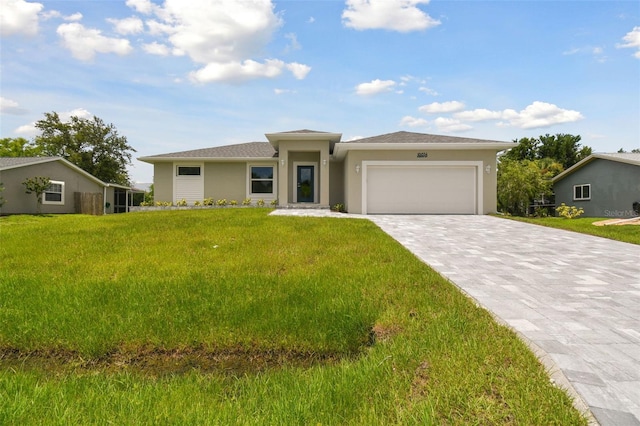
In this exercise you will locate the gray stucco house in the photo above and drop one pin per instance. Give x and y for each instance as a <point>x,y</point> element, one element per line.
<point>604,185</point>
<point>67,180</point>
<point>401,172</point>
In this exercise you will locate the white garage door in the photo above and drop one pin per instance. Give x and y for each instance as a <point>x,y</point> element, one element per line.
<point>421,189</point>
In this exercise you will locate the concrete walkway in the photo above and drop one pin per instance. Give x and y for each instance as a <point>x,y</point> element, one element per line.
<point>574,296</point>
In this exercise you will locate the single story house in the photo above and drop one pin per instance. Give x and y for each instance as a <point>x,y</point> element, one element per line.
<point>604,185</point>
<point>69,191</point>
<point>396,173</point>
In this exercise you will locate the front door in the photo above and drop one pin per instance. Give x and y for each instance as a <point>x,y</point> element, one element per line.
<point>305,182</point>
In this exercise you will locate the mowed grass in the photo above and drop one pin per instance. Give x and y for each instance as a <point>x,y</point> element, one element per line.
<point>231,316</point>
<point>624,233</point>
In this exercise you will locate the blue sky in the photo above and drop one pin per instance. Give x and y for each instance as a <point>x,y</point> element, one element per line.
<point>175,75</point>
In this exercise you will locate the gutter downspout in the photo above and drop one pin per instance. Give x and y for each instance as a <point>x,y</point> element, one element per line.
<point>104,200</point>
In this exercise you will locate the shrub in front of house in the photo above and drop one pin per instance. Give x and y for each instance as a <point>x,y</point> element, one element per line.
<point>569,212</point>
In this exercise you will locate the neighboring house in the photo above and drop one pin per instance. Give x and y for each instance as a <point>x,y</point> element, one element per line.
<point>68,181</point>
<point>402,172</point>
<point>604,185</point>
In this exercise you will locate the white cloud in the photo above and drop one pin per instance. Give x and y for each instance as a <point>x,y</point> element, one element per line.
<point>440,108</point>
<point>428,91</point>
<point>294,43</point>
<point>9,106</point>
<point>413,121</point>
<point>374,87</point>
<point>30,130</point>
<point>19,17</point>
<point>131,25</point>
<point>283,91</point>
<point>632,40</point>
<point>65,116</point>
<point>237,71</point>
<point>597,52</point>
<point>225,36</point>
<point>84,43</point>
<point>540,114</point>
<point>219,31</point>
<point>398,15</point>
<point>299,71</point>
<point>158,28</point>
<point>478,115</point>
<point>73,18</point>
<point>27,130</point>
<point>311,20</point>
<point>156,48</point>
<point>451,125</point>
<point>143,6</point>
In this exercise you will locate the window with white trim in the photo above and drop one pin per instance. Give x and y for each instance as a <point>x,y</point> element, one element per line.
<point>261,180</point>
<point>582,192</point>
<point>54,194</point>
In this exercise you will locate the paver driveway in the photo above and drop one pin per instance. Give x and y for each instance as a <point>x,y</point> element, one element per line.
<point>575,296</point>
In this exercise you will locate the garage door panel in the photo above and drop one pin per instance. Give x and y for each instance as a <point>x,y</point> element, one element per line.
<point>421,190</point>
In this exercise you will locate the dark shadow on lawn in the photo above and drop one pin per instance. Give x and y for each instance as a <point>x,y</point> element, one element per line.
<point>156,361</point>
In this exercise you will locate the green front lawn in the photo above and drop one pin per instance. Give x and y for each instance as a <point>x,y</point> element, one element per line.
<point>231,316</point>
<point>625,233</point>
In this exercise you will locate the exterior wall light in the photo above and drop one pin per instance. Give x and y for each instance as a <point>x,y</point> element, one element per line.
<point>324,162</point>
<point>357,168</point>
<point>282,162</point>
<point>488,169</point>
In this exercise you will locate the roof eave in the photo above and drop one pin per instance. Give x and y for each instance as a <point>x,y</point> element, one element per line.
<point>580,164</point>
<point>341,149</point>
<point>152,160</point>
<point>63,161</point>
<point>275,138</point>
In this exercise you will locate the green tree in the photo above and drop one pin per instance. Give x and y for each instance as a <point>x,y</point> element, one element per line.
<point>18,147</point>
<point>562,148</point>
<point>37,185</point>
<point>148,195</point>
<point>633,151</point>
<point>519,182</point>
<point>565,149</point>
<point>527,149</point>
<point>90,144</point>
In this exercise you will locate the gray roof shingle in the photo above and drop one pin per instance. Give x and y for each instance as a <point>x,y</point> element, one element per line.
<point>410,137</point>
<point>10,162</point>
<point>243,150</point>
<point>629,157</point>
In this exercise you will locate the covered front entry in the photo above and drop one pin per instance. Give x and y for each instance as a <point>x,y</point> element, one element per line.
<point>419,188</point>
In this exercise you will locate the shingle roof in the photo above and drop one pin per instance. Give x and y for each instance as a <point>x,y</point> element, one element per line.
<point>243,150</point>
<point>627,157</point>
<point>410,137</point>
<point>11,162</point>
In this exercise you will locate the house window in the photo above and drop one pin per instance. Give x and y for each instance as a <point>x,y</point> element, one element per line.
<point>188,170</point>
<point>261,180</point>
<point>54,194</point>
<point>582,192</point>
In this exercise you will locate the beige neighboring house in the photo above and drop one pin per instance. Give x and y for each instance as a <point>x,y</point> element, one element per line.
<point>67,180</point>
<point>396,173</point>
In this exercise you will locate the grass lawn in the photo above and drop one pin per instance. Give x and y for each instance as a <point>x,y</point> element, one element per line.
<point>231,316</point>
<point>626,233</point>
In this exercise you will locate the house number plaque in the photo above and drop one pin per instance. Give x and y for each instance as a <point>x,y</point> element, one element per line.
<point>422,155</point>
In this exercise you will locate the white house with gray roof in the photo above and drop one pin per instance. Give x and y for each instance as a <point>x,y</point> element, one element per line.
<point>604,185</point>
<point>399,173</point>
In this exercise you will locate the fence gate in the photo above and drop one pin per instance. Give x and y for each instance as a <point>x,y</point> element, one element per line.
<point>89,203</point>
